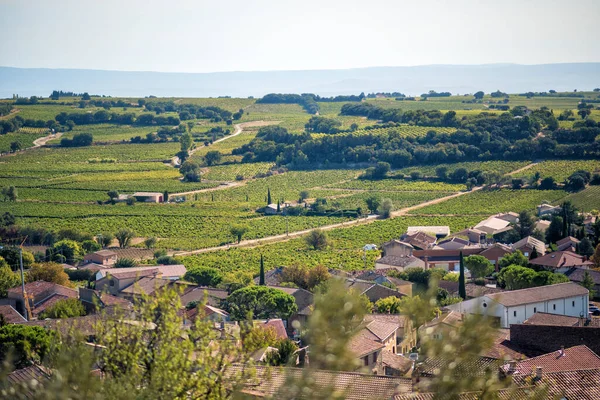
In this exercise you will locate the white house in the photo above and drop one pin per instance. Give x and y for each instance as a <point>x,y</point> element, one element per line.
<point>515,306</point>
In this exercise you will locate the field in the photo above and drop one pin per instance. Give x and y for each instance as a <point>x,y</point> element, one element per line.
<point>24,139</point>
<point>561,169</point>
<point>502,167</point>
<point>586,200</point>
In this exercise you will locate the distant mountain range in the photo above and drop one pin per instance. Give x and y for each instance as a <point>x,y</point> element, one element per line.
<point>457,79</point>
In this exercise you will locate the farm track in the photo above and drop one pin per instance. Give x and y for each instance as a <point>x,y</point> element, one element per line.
<point>10,114</point>
<point>296,234</point>
<point>37,143</point>
<point>523,168</point>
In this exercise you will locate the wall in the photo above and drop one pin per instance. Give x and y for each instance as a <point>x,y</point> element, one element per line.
<point>529,336</point>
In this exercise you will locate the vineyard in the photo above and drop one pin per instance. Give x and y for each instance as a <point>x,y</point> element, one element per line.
<point>231,171</point>
<point>24,139</point>
<point>391,184</point>
<point>502,167</point>
<point>586,200</point>
<point>561,169</point>
<point>405,131</point>
<point>489,202</point>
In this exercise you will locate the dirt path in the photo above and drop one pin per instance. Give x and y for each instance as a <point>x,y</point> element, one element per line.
<point>43,140</point>
<point>523,168</point>
<point>10,114</point>
<point>284,237</point>
<point>227,185</point>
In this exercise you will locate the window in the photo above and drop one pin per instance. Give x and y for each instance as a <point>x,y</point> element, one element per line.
<point>366,361</point>
<point>554,306</point>
<point>514,313</point>
<point>534,310</point>
<point>111,283</point>
<point>374,358</point>
<point>573,303</point>
<point>526,254</point>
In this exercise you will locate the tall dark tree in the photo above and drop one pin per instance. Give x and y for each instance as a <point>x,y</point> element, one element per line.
<point>268,196</point>
<point>526,224</point>
<point>261,279</point>
<point>534,254</point>
<point>462,290</point>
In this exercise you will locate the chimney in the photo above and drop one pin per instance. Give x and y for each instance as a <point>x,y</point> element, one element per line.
<point>561,352</point>
<point>512,367</point>
<point>538,373</point>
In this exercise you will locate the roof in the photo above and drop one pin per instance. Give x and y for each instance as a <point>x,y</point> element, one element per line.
<point>177,270</point>
<point>500,246</point>
<point>398,319</point>
<point>532,242</point>
<point>10,314</point>
<point>538,294</point>
<point>27,375</point>
<point>196,293</point>
<point>105,253</point>
<point>144,194</point>
<point>117,273</point>
<point>303,298</point>
<point>49,302</point>
<point>577,275</point>
<point>275,324</point>
<point>269,381</point>
<point>38,287</point>
<point>147,285</point>
<point>86,325</point>
<point>476,366</point>
<point>540,318</point>
<point>568,239</point>
<point>560,259</point>
<point>363,343</point>
<point>580,384</point>
<point>571,359</point>
<point>382,329</point>
<point>492,224</point>
<point>396,241</point>
<point>502,348</point>
<point>209,310</point>
<point>395,361</point>
<point>452,318</point>
<point>273,277</point>
<point>400,261</point>
<point>94,267</point>
<point>436,230</point>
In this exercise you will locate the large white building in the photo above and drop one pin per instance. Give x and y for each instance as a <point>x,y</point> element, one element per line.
<point>515,306</point>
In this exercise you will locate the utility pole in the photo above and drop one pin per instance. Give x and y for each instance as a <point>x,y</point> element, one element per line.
<point>23,282</point>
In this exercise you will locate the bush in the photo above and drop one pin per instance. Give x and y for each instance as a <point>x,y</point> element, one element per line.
<point>166,260</point>
<point>125,263</point>
<point>204,276</point>
<point>317,239</point>
<point>66,308</point>
<point>79,140</point>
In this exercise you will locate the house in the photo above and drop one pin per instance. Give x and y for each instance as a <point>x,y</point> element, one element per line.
<point>114,282</point>
<point>395,364</point>
<point>397,248</point>
<point>439,327</point>
<point>542,318</point>
<point>561,261</point>
<point>445,259</point>
<point>207,312</point>
<point>271,209</point>
<point>474,235</point>
<point>148,197</point>
<point>542,225</point>
<point>419,240</point>
<point>472,290</point>
<point>379,276</point>
<point>304,300</point>
<point>172,272</point>
<point>40,295</point>
<point>453,243</point>
<point>33,375</point>
<point>570,359</point>
<point>515,306</point>
<point>372,290</point>
<point>404,337</point>
<point>94,300</point>
<point>398,263</point>
<point>438,231</point>
<point>148,286</point>
<point>492,225</point>
<point>568,244</point>
<point>527,244</point>
<point>11,315</point>
<point>547,209</point>
<point>105,258</point>
<point>577,275</point>
<point>274,382</point>
<point>511,217</point>
<point>495,252</point>
<point>197,294</point>
<point>367,350</point>
<point>275,324</point>
<point>94,268</point>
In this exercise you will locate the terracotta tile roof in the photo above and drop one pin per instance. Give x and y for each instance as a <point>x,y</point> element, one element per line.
<point>34,288</point>
<point>115,273</point>
<point>561,259</point>
<point>502,348</point>
<point>11,315</point>
<point>33,373</point>
<point>382,329</point>
<point>95,267</point>
<point>400,261</point>
<point>276,325</point>
<point>361,344</point>
<point>270,382</point>
<point>396,241</point>
<point>530,241</point>
<point>477,366</point>
<point>568,239</point>
<point>168,271</point>
<point>105,253</point>
<point>48,302</point>
<point>395,361</point>
<point>110,301</point>
<point>552,320</point>
<point>196,293</point>
<point>147,285</point>
<point>571,359</point>
<point>389,318</point>
<point>577,274</point>
<point>86,325</point>
<point>209,310</point>
<point>538,294</point>
<point>452,318</point>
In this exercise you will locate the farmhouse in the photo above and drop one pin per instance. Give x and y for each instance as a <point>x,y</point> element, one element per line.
<point>438,231</point>
<point>547,209</point>
<point>527,244</point>
<point>105,258</point>
<point>561,261</point>
<point>148,197</point>
<point>492,225</point>
<point>569,243</point>
<point>40,296</point>
<point>516,306</point>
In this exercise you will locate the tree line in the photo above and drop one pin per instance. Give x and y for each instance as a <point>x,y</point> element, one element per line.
<point>308,101</point>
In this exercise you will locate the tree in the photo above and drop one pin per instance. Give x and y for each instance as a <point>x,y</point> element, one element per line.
<point>261,279</point>
<point>262,302</point>
<point>516,277</point>
<point>479,95</point>
<point>388,305</point>
<point>29,344</point>
<point>12,257</point>
<point>547,184</point>
<point>316,276</point>
<point>49,272</point>
<point>269,196</point>
<point>15,146</point>
<point>9,193</point>
<point>124,237</point>
<point>204,276</point>
<point>585,247</point>
<point>166,260</point>
<point>258,337</point>
<point>150,242</point>
<point>555,231</point>
<point>442,173</point>
<point>516,258</point>
<point>90,246</point>
<point>479,266</point>
<point>105,239</point>
<point>212,157</point>
<point>462,292</point>
<point>125,263</point>
<point>589,284</point>
<point>317,239</point>
<point>534,254</point>
<point>373,203</point>
<point>65,308</point>
<point>113,194</point>
<point>8,279</point>
<point>7,219</point>
<point>238,231</point>
<point>191,171</point>
<point>386,208</point>
<point>284,354</point>
<point>85,96</point>
<point>526,224</point>
<point>381,170</point>
<point>186,141</point>
<point>596,257</point>
<point>68,250</point>
<point>303,196</point>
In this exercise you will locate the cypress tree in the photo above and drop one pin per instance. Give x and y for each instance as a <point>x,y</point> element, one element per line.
<point>278,206</point>
<point>268,196</point>
<point>261,279</point>
<point>534,254</point>
<point>462,290</point>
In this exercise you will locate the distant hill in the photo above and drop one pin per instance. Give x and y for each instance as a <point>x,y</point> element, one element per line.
<point>511,78</point>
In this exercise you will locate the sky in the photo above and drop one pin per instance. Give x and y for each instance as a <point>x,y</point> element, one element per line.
<point>265,35</point>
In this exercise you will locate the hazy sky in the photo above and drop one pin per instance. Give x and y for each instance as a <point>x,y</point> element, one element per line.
<point>247,35</point>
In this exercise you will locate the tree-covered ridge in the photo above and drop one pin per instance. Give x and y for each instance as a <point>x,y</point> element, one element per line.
<point>518,135</point>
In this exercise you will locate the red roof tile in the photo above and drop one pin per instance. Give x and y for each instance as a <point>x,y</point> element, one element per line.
<point>560,259</point>
<point>11,315</point>
<point>571,359</point>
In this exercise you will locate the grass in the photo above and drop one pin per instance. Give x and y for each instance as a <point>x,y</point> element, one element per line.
<point>561,169</point>
<point>24,139</point>
<point>586,200</point>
